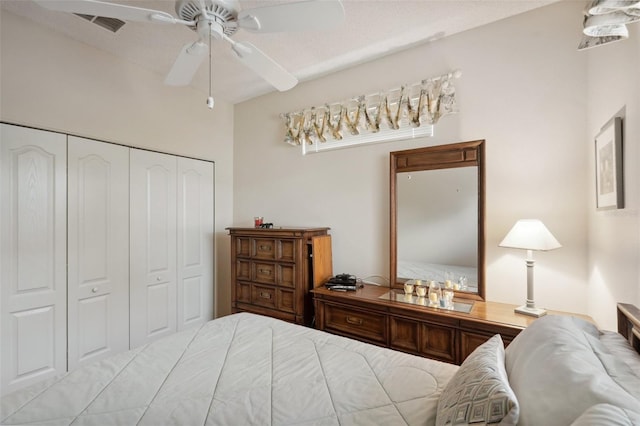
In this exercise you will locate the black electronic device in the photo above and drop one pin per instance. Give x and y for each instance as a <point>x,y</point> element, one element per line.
<point>342,282</point>
<point>346,279</point>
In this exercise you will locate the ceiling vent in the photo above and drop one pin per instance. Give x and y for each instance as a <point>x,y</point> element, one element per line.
<point>111,24</point>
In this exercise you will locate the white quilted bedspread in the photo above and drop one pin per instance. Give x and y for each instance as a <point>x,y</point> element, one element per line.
<point>242,369</point>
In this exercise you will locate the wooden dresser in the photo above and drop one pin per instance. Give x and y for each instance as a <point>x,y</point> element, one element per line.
<point>434,333</point>
<point>273,270</point>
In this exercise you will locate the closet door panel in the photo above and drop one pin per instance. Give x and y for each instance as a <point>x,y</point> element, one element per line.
<point>195,242</point>
<point>153,246</point>
<point>98,185</point>
<point>33,255</point>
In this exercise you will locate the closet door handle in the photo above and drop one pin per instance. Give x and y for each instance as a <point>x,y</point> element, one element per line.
<point>265,295</point>
<point>265,271</point>
<point>354,321</point>
<point>265,248</point>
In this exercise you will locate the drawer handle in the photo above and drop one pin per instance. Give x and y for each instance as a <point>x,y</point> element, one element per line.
<point>265,248</point>
<point>265,271</point>
<point>354,321</point>
<point>265,295</point>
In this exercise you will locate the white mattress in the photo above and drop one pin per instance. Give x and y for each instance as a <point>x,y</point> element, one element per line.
<point>239,370</point>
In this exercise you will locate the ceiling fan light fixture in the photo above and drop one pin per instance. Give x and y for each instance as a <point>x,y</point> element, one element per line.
<point>589,42</point>
<point>601,7</point>
<point>615,30</point>
<point>609,24</point>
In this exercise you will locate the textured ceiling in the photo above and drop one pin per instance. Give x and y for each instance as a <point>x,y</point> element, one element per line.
<point>372,28</point>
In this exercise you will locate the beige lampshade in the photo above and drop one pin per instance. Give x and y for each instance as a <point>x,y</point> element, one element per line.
<point>530,234</point>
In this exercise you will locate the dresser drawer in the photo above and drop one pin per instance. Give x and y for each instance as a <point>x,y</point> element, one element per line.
<point>404,334</point>
<point>243,270</point>
<point>263,296</point>
<point>264,249</point>
<point>354,322</point>
<point>286,300</point>
<point>286,275</point>
<point>287,250</point>
<point>243,292</point>
<point>438,342</point>
<point>264,273</point>
<point>243,247</point>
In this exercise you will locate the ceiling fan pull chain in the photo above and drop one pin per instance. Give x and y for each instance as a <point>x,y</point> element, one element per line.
<point>210,98</point>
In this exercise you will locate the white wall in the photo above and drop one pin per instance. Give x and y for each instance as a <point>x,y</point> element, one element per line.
<point>52,82</point>
<point>614,235</point>
<point>523,89</point>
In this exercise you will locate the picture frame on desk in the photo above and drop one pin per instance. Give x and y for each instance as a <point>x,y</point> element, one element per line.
<point>609,166</point>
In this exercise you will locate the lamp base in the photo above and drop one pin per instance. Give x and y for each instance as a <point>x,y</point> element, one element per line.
<point>533,312</point>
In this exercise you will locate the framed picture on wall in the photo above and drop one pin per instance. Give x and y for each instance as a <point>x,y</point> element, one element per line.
<point>609,173</point>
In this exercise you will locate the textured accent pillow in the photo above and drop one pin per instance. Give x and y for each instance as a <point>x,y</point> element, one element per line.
<point>479,392</point>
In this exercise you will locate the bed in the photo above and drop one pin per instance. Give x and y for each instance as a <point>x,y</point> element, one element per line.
<point>247,369</point>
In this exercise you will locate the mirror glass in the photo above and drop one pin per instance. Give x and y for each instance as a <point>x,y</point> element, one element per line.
<point>437,233</point>
<point>437,217</point>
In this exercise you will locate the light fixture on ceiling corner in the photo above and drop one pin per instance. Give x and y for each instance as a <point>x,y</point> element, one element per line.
<point>588,42</point>
<point>530,234</point>
<point>605,22</point>
<point>611,24</point>
<point>601,7</point>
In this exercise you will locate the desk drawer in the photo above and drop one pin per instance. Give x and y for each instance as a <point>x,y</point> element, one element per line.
<point>357,323</point>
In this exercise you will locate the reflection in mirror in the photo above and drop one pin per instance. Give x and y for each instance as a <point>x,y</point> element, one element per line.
<point>437,216</point>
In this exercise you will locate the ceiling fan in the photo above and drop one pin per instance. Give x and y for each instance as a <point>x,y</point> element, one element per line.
<point>219,20</point>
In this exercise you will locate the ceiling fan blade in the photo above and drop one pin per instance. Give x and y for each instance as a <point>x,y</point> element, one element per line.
<point>264,66</point>
<point>108,10</point>
<point>186,64</point>
<point>298,16</point>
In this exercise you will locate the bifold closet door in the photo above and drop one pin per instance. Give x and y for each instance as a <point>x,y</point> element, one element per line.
<point>153,246</point>
<point>195,242</point>
<point>33,261</point>
<point>98,250</point>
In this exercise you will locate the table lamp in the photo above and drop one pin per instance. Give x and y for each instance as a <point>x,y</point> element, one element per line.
<point>530,234</point>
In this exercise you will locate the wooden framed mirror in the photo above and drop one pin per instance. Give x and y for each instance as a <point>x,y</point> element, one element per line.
<point>437,216</point>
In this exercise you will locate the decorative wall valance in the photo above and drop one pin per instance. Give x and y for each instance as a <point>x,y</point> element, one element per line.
<point>405,112</point>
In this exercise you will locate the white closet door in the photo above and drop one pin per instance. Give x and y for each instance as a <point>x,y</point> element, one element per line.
<point>195,242</point>
<point>153,246</point>
<point>33,255</point>
<point>98,250</point>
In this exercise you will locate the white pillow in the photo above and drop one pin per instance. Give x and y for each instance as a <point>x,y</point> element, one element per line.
<point>556,375</point>
<point>619,347</point>
<point>479,392</point>
<point>616,368</point>
<point>607,415</point>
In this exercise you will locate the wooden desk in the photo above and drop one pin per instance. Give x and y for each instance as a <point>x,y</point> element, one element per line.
<point>430,332</point>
